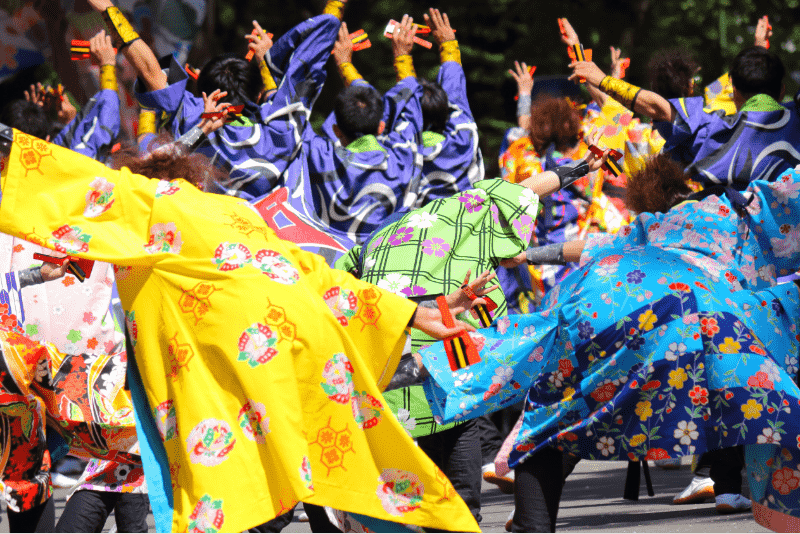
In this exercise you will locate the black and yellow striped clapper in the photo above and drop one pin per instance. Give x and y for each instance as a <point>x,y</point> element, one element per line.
<point>460,349</point>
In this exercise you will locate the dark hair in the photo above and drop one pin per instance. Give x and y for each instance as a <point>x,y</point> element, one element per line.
<point>658,186</point>
<point>435,106</point>
<point>240,78</point>
<point>27,117</point>
<point>554,121</point>
<point>756,70</point>
<point>167,163</point>
<point>671,72</point>
<point>358,111</point>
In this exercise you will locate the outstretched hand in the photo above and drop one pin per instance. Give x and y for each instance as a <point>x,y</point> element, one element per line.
<point>102,50</point>
<point>569,37</point>
<point>763,32</point>
<point>343,47</point>
<point>459,302</point>
<point>588,71</point>
<point>616,62</point>
<point>440,26</point>
<point>429,320</point>
<point>35,94</point>
<point>260,43</point>
<point>212,104</point>
<point>403,37</point>
<point>53,271</point>
<point>590,158</point>
<point>523,77</point>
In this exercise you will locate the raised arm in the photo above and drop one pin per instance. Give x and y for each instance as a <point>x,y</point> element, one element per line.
<point>128,42</point>
<point>632,97</point>
<point>523,77</point>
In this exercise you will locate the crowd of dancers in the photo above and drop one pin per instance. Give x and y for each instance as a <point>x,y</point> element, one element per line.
<point>237,312</point>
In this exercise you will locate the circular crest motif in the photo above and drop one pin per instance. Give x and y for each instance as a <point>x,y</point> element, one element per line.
<point>254,422</point>
<point>231,256</point>
<point>342,302</point>
<point>367,410</point>
<point>277,267</point>
<point>400,492</point>
<point>338,375</point>
<point>210,442</point>
<point>256,345</point>
<point>99,198</point>
<point>207,515</point>
<point>166,420</point>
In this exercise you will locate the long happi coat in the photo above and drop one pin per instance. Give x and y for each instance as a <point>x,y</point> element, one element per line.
<point>671,339</point>
<point>263,366</point>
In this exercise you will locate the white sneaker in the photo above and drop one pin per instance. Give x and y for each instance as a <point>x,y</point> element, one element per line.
<point>61,481</point>
<point>732,503</point>
<point>510,520</point>
<point>700,489</point>
<point>505,482</point>
<point>303,517</point>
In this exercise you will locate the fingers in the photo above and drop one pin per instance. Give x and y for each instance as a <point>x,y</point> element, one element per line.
<point>446,20</point>
<point>466,278</point>
<point>258,28</point>
<point>461,325</point>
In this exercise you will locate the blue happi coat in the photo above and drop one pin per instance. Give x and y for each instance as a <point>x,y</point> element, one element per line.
<point>671,339</point>
<point>93,130</point>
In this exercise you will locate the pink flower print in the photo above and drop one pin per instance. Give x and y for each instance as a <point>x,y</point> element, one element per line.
<point>524,227</point>
<point>473,202</point>
<point>402,235</point>
<point>435,246</point>
<point>88,317</point>
<point>414,291</point>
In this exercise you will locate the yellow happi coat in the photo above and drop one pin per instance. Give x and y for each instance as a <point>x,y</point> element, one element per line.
<point>264,367</point>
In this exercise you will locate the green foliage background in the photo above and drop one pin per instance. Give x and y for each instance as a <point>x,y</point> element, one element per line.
<point>493,34</point>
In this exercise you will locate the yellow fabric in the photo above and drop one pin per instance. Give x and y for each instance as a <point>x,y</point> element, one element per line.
<point>108,77</point>
<point>120,25</point>
<point>147,122</point>
<point>266,76</point>
<point>349,73</point>
<point>449,51</point>
<point>335,8</point>
<point>621,90</point>
<point>272,361</point>
<point>404,67</point>
<point>719,95</point>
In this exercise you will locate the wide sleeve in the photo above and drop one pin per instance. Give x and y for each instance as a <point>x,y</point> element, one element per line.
<point>454,82</point>
<point>95,128</point>
<point>374,319</point>
<point>183,109</point>
<point>690,118</point>
<point>67,202</point>
<point>773,218</point>
<point>404,111</point>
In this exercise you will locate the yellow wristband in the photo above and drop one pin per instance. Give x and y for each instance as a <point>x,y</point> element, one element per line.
<point>108,77</point>
<point>266,76</point>
<point>449,51</point>
<point>147,122</point>
<point>623,92</point>
<point>335,8</point>
<point>120,26</point>
<point>404,67</point>
<point>349,73</point>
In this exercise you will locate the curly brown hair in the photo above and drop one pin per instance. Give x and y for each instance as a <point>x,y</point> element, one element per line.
<point>554,121</point>
<point>168,163</point>
<point>658,186</point>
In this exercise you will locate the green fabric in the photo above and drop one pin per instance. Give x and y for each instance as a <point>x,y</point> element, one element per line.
<point>761,102</point>
<point>430,139</point>
<point>413,412</point>
<point>242,121</point>
<point>365,143</point>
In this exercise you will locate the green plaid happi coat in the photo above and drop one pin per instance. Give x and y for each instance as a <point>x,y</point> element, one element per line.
<point>428,251</point>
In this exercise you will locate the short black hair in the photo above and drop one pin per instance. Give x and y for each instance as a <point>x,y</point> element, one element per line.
<point>240,78</point>
<point>756,70</point>
<point>358,111</point>
<point>435,106</point>
<point>671,72</point>
<point>27,117</point>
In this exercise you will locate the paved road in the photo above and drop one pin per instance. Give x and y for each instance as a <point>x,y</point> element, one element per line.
<point>592,501</point>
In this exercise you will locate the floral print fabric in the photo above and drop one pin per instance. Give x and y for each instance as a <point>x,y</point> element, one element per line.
<point>662,344</point>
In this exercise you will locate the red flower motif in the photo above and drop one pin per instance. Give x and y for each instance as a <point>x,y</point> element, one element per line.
<point>680,286</point>
<point>657,454</point>
<point>699,396</point>
<point>701,286</point>
<point>709,325</point>
<point>604,392</point>
<point>89,318</point>
<point>565,366</point>
<point>91,343</point>
<point>68,280</point>
<point>758,350</point>
<point>653,384</point>
<point>760,380</point>
<point>724,211</point>
<point>19,248</point>
<point>784,481</point>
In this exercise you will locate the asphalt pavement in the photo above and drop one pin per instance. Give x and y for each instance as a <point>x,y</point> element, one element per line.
<point>592,501</point>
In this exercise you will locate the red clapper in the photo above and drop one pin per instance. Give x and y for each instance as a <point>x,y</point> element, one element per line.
<point>623,66</point>
<point>389,33</point>
<point>192,72</point>
<point>611,165</point>
<point>233,113</point>
<point>82,269</point>
<point>79,50</point>
<point>250,53</point>
<point>482,312</point>
<point>360,40</point>
<point>461,351</point>
<point>576,52</point>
